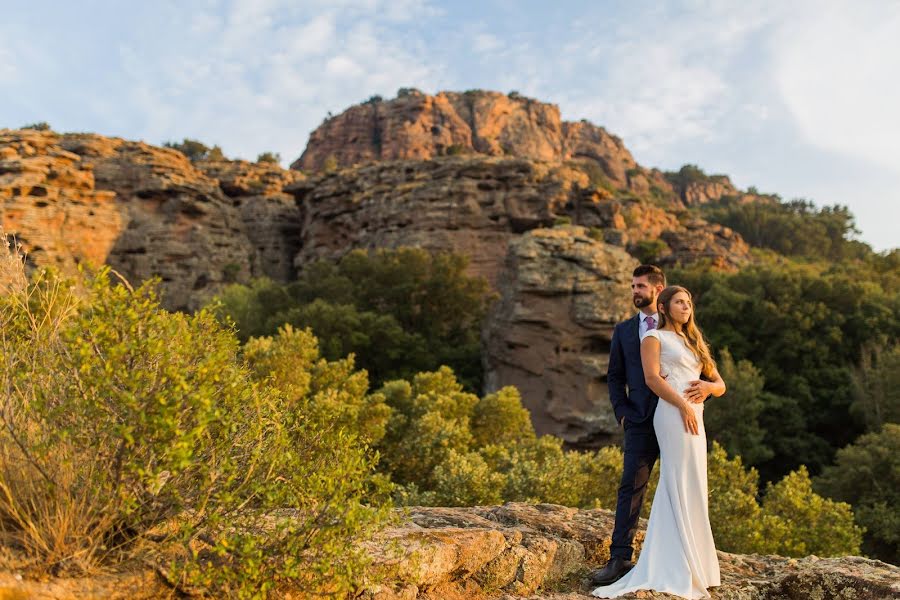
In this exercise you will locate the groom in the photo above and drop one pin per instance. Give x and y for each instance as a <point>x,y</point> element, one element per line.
<point>633,404</point>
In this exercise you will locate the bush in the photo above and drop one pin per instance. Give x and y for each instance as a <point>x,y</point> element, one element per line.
<point>867,475</point>
<point>121,421</point>
<point>196,150</point>
<point>269,157</point>
<point>816,525</point>
<point>38,126</point>
<point>650,251</point>
<point>429,419</point>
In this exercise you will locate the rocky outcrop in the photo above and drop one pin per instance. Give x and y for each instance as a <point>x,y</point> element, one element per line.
<point>179,225</point>
<point>270,217</point>
<point>50,204</point>
<point>475,205</point>
<point>511,552</point>
<point>146,211</point>
<point>460,204</point>
<point>544,552</point>
<point>549,334</point>
<point>419,126</point>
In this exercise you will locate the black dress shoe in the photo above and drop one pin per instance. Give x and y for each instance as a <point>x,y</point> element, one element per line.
<point>612,572</point>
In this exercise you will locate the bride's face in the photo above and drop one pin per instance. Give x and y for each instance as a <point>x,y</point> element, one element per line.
<point>680,308</point>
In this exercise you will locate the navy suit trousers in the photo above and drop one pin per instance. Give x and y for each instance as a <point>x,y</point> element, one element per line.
<point>641,452</point>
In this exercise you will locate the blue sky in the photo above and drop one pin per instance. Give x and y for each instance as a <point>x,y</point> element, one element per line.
<point>797,98</point>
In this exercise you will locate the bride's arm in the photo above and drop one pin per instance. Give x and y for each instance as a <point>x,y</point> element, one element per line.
<point>650,362</point>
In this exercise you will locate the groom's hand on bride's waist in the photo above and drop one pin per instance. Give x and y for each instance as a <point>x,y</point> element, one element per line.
<point>697,392</point>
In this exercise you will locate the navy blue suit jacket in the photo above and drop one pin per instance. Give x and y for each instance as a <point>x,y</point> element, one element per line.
<point>628,392</point>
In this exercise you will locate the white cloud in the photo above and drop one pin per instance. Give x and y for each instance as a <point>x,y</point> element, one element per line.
<point>837,70</point>
<point>263,77</point>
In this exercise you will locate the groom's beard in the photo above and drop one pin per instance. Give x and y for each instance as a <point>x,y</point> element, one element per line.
<point>641,301</point>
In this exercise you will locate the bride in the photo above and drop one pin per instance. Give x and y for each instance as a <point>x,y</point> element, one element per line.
<point>678,555</point>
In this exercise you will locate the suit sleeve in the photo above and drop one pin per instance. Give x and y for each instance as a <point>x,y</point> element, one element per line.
<point>615,376</point>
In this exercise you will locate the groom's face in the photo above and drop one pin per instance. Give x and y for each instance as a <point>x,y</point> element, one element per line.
<point>643,293</point>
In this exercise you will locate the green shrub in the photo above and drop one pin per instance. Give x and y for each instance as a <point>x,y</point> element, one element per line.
<point>650,251</point>
<point>816,525</point>
<point>429,419</point>
<point>123,422</point>
<point>500,418</point>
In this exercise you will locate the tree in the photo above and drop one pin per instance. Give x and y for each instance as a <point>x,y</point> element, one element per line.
<point>866,474</point>
<point>399,311</point>
<point>876,386</point>
<point>38,126</point>
<point>733,420</point>
<point>803,326</point>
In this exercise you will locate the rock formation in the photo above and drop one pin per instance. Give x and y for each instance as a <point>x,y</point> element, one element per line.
<point>146,211</point>
<point>550,332</point>
<point>419,126</point>
<point>49,202</point>
<point>513,552</point>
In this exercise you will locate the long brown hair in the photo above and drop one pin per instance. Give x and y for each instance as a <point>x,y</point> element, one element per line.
<point>689,331</point>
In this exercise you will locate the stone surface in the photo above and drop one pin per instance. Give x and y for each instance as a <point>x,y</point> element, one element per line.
<point>473,205</point>
<point>511,552</point>
<point>545,552</point>
<point>562,294</point>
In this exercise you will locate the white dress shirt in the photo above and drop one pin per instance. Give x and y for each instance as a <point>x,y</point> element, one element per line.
<point>642,324</point>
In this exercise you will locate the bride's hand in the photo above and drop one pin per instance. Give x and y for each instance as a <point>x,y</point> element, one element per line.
<point>690,420</point>
<point>697,392</point>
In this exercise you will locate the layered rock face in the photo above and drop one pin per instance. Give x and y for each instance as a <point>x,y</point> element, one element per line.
<point>49,202</point>
<point>475,205</point>
<point>472,206</point>
<point>147,212</point>
<point>513,552</point>
<point>549,334</point>
<point>419,126</point>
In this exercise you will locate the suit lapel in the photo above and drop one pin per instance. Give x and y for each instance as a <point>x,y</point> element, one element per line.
<point>634,327</point>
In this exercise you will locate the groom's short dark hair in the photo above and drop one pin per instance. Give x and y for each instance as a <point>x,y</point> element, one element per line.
<point>654,274</point>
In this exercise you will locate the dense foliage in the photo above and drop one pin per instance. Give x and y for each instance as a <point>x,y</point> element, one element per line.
<point>444,446</point>
<point>121,422</point>
<point>398,311</point>
<point>803,329</point>
<point>795,228</point>
<point>867,475</point>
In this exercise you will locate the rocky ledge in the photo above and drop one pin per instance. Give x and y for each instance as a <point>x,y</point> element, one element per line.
<point>545,551</point>
<point>517,552</point>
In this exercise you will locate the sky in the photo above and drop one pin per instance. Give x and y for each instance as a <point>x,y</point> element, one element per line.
<point>798,98</point>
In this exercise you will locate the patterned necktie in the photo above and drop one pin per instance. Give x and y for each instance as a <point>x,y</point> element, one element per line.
<point>651,323</point>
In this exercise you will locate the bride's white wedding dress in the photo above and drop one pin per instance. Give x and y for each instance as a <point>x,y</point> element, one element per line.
<point>678,555</point>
